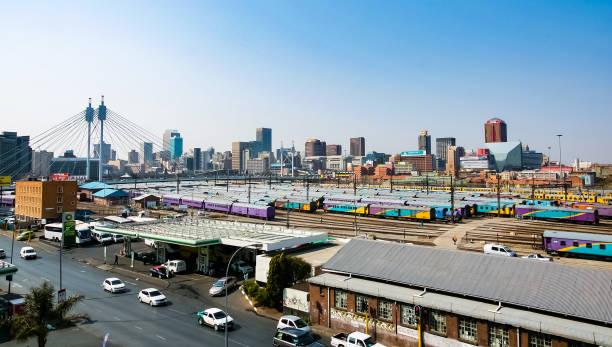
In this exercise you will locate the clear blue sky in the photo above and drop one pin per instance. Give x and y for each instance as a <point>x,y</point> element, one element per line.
<point>318,69</point>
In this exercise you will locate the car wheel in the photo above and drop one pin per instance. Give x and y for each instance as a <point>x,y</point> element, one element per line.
<point>200,321</point>
<point>216,328</point>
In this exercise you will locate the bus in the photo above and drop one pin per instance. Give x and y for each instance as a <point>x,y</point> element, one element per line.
<point>53,232</point>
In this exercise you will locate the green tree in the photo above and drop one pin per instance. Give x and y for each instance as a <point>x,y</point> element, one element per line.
<point>284,272</point>
<point>42,310</point>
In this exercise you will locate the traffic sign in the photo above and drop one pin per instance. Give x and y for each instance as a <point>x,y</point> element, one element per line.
<point>5,180</point>
<point>61,295</point>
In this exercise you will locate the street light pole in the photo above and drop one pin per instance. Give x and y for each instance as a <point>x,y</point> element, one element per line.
<point>256,245</point>
<point>560,172</point>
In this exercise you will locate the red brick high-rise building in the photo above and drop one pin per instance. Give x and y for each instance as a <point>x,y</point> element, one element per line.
<point>496,131</point>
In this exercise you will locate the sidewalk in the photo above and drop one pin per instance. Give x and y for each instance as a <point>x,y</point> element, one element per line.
<point>446,240</point>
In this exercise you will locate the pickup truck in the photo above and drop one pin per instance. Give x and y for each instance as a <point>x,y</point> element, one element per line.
<point>354,339</point>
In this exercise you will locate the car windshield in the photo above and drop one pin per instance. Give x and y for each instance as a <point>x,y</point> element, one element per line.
<point>115,282</point>
<point>304,340</point>
<point>219,283</point>
<point>29,251</point>
<point>299,323</point>
<point>155,293</point>
<point>219,315</point>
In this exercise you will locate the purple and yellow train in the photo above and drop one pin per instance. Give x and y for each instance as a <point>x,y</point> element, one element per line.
<point>221,205</point>
<point>583,245</point>
<point>557,213</point>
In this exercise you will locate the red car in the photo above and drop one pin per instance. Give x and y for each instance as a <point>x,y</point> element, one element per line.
<point>160,271</point>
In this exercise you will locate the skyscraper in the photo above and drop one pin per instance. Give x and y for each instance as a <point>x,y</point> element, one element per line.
<point>239,151</point>
<point>333,150</point>
<point>133,157</point>
<point>176,147</point>
<point>106,151</point>
<point>197,158</point>
<point>168,134</point>
<point>264,137</point>
<point>425,142</point>
<point>41,162</point>
<point>358,146</point>
<point>314,148</point>
<point>496,131</point>
<point>442,144</point>
<point>146,152</point>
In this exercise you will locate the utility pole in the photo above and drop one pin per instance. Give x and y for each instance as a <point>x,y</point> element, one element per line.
<point>391,182</point>
<point>498,196</point>
<point>560,171</point>
<point>452,187</point>
<point>288,210</point>
<point>249,188</point>
<point>533,186</point>
<point>427,183</point>
<point>270,180</point>
<point>354,184</point>
<point>307,190</point>
<point>177,183</point>
<point>227,178</point>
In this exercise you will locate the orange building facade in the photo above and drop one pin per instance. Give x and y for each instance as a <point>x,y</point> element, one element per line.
<point>44,199</point>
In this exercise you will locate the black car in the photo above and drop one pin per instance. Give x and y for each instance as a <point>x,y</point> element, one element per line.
<point>146,257</point>
<point>293,337</point>
<point>160,272</point>
<point>2,254</point>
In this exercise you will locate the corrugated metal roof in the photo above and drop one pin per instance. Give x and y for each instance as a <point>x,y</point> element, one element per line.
<point>578,236</point>
<point>564,289</point>
<point>96,185</point>
<point>533,321</point>
<point>110,193</point>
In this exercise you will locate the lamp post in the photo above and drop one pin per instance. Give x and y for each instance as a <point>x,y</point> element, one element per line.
<point>255,245</point>
<point>560,172</point>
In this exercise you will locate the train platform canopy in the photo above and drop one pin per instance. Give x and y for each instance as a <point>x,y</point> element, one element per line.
<point>7,268</point>
<point>197,233</point>
<point>559,289</point>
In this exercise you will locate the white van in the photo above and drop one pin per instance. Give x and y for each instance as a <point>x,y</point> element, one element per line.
<point>499,250</point>
<point>102,237</point>
<point>176,266</point>
<point>150,243</point>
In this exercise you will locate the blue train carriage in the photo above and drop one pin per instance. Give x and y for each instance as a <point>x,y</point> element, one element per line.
<point>297,205</point>
<point>408,212</point>
<point>346,207</point>
<point>582,245</point>
<point>557,213</point>
<point>506,209</point>
<point>541,202</point>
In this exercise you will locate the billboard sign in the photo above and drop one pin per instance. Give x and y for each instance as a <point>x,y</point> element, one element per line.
<point>59,177</point>
<point>5,181</point>
<point>412,153</point>
<point>68,226</point>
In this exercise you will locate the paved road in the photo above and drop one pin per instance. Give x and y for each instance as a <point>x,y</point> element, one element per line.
<point>129,322</point>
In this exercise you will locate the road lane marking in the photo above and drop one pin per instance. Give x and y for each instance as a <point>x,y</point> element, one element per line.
<point>173,310</point>
<point>137,327</point>
<point>239,343</point>
<point>46,279</point>
<point>17,285</point>
<point>116,318</point>
<point>130,283</point>
<point>161,337</point>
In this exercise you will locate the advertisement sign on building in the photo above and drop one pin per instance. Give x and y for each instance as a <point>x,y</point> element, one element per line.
<point>5,181</point>
<point>412,153</point>
<point>59,177</point>
<point>68,225</point>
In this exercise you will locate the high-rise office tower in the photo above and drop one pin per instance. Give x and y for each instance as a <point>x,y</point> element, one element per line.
<point>264,137</point>
<point>442,144</point>
<point>358,146</point>
<point>496,131</point>
<point>146,152</point>
<point>425,142</point>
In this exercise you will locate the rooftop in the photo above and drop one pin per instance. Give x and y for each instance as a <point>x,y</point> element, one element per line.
<point>555,288</point>
<point>95,185</point>
<point>110,193</point>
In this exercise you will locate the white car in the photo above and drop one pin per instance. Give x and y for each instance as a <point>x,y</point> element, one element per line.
<point>27,253</point>
<point>113,285</point>
<point>536,256</point>
<point>215,318</point>
<point>292,322</point>
<point>152,297</point>
<point>223,284</point>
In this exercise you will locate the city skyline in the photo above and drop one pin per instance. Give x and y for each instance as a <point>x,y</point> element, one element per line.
<point>441,72</point>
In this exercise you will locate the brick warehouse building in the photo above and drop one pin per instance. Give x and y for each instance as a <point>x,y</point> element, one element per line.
<point>468,298</point>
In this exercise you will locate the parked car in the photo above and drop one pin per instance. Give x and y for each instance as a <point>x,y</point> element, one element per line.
<point>292,322</point>
<point>242,267</point>
<point>499,250</point>
<point>295,337</point>
<point>152,297</point>
<point>102,237</point>
<point>354,339</point>
<point>215,318</point>
<point>223,284</point>
<point>26,235</point>
<point>536,256</point>
<point>146,257</point>
<point>27,253</point>
<point>117,238</point>
<point>176,266</point>
<point>2,254</point>
<point>113,285</point>
<point>159,271</point>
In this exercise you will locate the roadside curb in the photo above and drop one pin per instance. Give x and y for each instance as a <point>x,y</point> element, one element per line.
<point>249,300</point>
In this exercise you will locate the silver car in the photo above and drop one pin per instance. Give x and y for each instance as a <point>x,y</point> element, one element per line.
<point>223,284</point>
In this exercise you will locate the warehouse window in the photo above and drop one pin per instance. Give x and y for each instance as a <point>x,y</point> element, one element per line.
<point>437,322</point>
<point>340,299</point>
<point>498,336</point>
<point>385,310</point>
<point>467,329</point>
<point>539,340</point>
<point>408,317</point>
<point>361,304</point>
